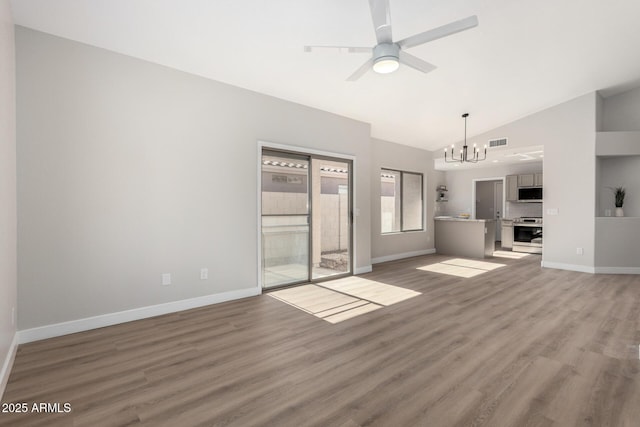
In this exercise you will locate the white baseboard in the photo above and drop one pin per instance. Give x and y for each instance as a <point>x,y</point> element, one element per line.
<point>362,270</point>
<point>80,325</point>
<point>570,267</point>
<point>8,364</point>
<point>618,270</point>
<point>395,257</point>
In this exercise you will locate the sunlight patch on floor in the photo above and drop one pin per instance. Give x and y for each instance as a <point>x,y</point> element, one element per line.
<point>481,265</point>
<point>461,267</point>
<point>312,299</point>
<point>370,290</point>
<point>324,303</point>
<point>509,254</point>
<point>342,299</point>
<point>451,270</point>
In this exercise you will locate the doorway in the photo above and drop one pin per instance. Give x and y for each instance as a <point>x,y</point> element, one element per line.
<point>306,218</point>
<point>488,196</point>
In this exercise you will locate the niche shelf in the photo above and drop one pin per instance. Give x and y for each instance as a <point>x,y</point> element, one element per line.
<point>618,143</point>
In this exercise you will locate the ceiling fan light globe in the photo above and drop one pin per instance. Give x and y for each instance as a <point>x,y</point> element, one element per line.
<point>386,65</point>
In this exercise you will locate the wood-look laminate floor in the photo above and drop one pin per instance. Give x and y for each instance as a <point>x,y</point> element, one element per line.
<point>513,346</point>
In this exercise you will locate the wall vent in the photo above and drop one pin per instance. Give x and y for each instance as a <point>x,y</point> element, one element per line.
<point>500,142</point>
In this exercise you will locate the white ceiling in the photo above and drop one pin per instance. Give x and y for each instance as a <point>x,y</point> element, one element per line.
<point>523,57</point>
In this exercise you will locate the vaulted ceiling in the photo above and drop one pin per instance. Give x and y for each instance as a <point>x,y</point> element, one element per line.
<point>523,57</point>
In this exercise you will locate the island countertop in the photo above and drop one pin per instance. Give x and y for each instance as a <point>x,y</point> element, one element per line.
<point>455,218</point>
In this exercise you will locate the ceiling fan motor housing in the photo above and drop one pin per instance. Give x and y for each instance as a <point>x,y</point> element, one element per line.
<point>386,57</point>
<point>386,51</point>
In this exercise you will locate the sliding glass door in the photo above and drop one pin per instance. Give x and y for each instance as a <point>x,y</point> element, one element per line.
<point>331,225</point>
<point>285,219</point>
<point>305,218</point>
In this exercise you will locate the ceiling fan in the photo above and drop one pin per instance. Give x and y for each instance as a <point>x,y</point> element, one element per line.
<point>387,55</point>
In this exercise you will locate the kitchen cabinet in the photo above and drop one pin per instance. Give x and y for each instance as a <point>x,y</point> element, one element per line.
<point>527,180</point>
<point>537,180</point>
<point>507,233</point>
<point>512,188</point>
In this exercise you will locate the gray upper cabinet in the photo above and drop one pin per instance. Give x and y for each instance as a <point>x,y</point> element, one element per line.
<point>513,182</point>
<point>526,180</point>
<point>537,180</point>
<point>512,188</point>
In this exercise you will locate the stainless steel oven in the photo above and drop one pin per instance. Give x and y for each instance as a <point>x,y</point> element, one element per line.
<point>527,235</point>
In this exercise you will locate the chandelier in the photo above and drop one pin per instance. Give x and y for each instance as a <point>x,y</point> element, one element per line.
<point>465,155</point>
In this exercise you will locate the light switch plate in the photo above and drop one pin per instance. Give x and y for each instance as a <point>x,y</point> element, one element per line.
<point>166,279</point>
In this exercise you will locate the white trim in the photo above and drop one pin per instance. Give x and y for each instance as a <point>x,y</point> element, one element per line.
<point>306,150</point>
<point>617,270</point>
<point>592,270</point>
<point>394,257</point>
<point>80,325</point>
<point>571,267</point>
<point>363,270</point>
<point>259,215</point>
<point>8,364</point>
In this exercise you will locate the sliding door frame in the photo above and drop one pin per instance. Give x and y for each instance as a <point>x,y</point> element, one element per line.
<point>350,218</point>
<point>300,157</point>
<point>313,154</point>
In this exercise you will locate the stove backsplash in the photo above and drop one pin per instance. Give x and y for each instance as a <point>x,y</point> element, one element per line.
<point>517,210</point>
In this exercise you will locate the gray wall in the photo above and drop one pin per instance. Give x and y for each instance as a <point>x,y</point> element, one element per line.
<point>621,113</point>
<point>8,286</point>
<point>618,239</point>
<point>623,171</point>
<point>620,146</point>
<point>618,244</point>
<point>402,158</point>
<point>599,113</point>
<point>568,133</point>
<point>127,170</point>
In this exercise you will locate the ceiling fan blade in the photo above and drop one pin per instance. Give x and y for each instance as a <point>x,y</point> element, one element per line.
<point>361,71</point>
<point>340,49</point>
<point>415,62</point>
<point>381,20</point>
<point>438,33</point>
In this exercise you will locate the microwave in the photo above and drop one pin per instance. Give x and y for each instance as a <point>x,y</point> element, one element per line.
<point>530,194</point>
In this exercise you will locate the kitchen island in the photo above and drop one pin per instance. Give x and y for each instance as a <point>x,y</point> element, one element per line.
<point>473,238</point>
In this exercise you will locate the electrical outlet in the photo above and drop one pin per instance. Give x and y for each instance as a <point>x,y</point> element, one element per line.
<point>204,273</point>
<point>166,279</point>
<point>579,251</point>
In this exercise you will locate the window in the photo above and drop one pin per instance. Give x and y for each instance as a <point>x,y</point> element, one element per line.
<point>401,201</point>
